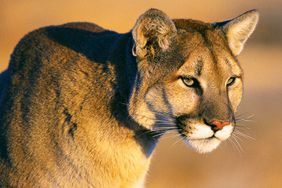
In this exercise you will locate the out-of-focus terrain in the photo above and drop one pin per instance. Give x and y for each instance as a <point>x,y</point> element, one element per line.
<point>258,164</point>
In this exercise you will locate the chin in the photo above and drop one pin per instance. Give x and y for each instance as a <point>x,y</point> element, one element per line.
<point>203,145</point>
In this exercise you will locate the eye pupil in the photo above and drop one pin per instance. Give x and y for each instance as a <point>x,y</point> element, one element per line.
<point>231,81</point>
<point>188,81</point>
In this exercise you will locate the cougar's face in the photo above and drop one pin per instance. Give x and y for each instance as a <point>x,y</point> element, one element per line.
<point>200,98</point>
<point>188,77</point>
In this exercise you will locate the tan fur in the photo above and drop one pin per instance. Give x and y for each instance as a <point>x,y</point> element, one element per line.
<point>81,106</point>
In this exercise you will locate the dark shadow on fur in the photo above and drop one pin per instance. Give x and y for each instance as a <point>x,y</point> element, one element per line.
<point>84,42</point>
<point>4,82</point>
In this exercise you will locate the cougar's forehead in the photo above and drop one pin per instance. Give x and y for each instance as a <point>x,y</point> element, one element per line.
<point>209,57</point>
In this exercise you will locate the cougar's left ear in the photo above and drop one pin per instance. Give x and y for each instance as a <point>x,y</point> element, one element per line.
<point>239,29</point>
<point>152,32</point>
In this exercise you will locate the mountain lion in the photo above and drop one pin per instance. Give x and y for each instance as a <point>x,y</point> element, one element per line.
<point>81,106</point>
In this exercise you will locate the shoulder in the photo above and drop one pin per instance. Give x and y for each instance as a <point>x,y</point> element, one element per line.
<point>74,31</point>
<point>61,42</point>
<point>92,27</point>
<point>69,32</point>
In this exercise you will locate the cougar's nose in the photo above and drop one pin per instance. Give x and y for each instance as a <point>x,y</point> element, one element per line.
<point>218,124</point>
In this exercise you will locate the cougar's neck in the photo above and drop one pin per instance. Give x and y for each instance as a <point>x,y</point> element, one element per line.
<point>126,74</point>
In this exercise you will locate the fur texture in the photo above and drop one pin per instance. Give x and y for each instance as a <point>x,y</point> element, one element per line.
<point>79,109</point>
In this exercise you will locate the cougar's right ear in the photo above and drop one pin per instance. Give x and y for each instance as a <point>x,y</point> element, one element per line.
<point>239,29</point>
<point>152,32</point>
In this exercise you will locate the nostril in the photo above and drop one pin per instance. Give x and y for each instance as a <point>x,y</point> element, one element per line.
<point>225,123</point>
<point>213,126</point>
<point>218,125</point>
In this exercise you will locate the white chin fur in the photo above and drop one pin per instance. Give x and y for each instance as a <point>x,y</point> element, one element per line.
<point>200,138</point>
<point>204,145</point>
<point>225,132</point>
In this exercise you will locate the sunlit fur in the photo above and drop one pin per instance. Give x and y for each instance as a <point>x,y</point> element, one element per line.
<point>81,106</point>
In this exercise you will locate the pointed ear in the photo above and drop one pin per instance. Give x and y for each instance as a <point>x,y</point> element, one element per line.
<point>152,32</point>
<point>239,29</point>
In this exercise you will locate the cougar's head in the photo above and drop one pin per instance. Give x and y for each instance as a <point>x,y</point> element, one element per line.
<point>188,77</point>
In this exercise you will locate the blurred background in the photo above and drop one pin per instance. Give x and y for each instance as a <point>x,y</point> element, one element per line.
<point>253,161</point>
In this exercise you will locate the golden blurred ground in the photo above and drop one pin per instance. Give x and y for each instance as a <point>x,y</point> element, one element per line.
<point>173,165</point>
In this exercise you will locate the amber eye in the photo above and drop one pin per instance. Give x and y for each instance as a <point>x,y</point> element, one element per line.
<point>231,81</point>
<point>189,82</point>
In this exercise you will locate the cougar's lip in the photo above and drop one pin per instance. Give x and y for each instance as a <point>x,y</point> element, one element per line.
<point>221,135</point>
<point>206,138</point>
<point>202,138</point>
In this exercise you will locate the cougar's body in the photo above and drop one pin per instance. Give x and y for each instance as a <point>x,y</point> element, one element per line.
<point>76,106</point>
<point>64,114</point>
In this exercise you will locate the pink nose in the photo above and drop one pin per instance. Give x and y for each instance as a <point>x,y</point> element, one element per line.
<point>219,124</point>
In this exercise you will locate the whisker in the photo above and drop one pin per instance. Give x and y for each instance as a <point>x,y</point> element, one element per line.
<point>242,127</point>
<point>159,134</point>
<point>178,139</point>
<point>238,143</point>
<point>244,135</point>
<point>123,103</point>
<point>165,129</point>
<point>240,118</point>
<point>171,134</point>
<point>165,123</point>
<point>248,116</point>
<point>237,136</point>
<point>232,143</point>
<point>157,131</point>
<point>245,120</point>
<point>236,146</point>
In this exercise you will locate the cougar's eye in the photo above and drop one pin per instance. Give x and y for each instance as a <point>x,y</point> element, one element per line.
<point>231,81</point>
<point>189,82</point>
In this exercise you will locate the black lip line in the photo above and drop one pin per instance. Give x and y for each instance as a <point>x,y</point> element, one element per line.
<point>181,132</point>
<point>201,139</point>
<point>208,138</point>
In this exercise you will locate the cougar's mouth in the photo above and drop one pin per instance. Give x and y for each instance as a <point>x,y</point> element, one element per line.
<point>202,137</point>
